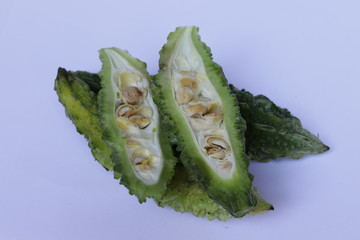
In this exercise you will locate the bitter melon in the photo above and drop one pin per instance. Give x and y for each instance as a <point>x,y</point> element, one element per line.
<point>183,194</point>
<point>208,128</point>
<point>129,118</point>
<point>81,107</point>
<point>272,132</point>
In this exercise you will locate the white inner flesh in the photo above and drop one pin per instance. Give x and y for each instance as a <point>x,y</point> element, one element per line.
<point>186,59</point>
<point>144,141</point>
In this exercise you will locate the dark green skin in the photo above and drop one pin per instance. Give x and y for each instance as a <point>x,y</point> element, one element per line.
<point>272,132</point>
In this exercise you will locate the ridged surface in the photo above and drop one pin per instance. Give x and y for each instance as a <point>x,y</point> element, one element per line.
<point>113,137</point>
<point>234,194</point>
<point>186,194</point>
<point>81,107</point>
<point>272,132</point>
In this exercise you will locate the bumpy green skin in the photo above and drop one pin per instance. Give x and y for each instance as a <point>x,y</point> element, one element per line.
<point>186,194</point>
<point>81,107</point>
<point>272,132</point>
<point>112,135</point>
<point>234,194</point>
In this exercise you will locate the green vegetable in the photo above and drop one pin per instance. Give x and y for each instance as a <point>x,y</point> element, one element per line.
<point>128,116</point>
<point>208,128</point>
<point>81,107</point>
<point>272,132</point>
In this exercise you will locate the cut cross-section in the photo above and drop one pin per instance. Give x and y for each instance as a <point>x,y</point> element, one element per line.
<point>131,124</point>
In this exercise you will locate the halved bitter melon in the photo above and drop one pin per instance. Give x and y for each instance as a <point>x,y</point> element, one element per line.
<point>130,121</point>
<point>207,126</point>
<point>78,91</point>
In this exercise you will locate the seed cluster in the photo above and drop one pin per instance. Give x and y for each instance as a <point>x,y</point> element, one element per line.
<point>204,116</point>
<point>133,115</point>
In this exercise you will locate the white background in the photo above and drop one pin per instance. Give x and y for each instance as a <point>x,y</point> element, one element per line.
<point>304,55</point>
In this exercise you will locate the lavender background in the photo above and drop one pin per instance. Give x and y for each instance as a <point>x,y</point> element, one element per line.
<point>304,55</point>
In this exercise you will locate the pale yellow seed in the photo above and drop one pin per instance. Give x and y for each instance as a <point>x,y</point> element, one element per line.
<point>184,95</point>
<point>140,121</point>
<point>217,142</point>
<point>126,126</point>
<point>128,79</point>
<point>143,110</point>
<point>215,117</point>
<point>196,110</point>
<point>199,124</point>
<point>216,152</point>
<point>143,159</point>
<point>132,95</point>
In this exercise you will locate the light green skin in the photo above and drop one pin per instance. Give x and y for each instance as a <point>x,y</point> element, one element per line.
<point>81,107</point>
<point>113,137</point>
<point>234,194</point>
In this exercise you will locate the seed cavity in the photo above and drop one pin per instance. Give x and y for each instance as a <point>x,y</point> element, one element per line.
<point>205,115</point>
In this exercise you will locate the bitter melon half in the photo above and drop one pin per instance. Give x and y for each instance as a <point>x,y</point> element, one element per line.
<point>208,128</point>
<point>131,123</point>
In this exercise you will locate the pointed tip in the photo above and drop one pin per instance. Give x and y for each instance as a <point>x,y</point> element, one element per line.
<point>326,148</point>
